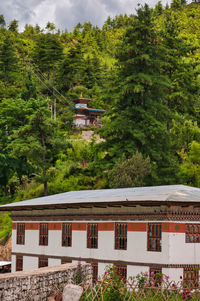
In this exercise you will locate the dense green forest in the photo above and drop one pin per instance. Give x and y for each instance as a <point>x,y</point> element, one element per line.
<point>143,69</point>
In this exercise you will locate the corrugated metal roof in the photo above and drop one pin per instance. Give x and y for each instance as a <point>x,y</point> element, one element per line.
<point>4,263</point>
<point>174,193</point>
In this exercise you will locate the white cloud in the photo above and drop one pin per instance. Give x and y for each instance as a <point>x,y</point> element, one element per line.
<point>66,13</point>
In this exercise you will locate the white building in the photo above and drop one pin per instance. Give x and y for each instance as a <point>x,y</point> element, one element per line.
<point>139,229</point>
<point>84,116</point>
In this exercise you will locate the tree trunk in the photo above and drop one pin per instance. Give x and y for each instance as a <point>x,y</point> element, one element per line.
<point>45,182</point>
<point>44,168</point>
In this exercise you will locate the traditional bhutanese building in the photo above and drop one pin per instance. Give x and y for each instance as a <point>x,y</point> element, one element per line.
<point>138,229</point>
<point>85,116</point>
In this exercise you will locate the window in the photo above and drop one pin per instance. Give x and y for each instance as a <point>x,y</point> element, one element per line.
<point>156,273</point>
<point>66,235</point>
<point>122,271</point>
<point>154,237</point>
<point>92,236</point>
<point>20,234</point>
<point>191,277</point>
<point>120,236</point>
<point>19,263</point>
<point>192,233</point>
<point>94,271</point>
<point>42,262</point>
<point>43,235</point>
<point>63,261</point>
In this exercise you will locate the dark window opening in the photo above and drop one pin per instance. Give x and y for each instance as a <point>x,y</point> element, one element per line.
<point>92,236</point>
<point>94,271</point>
<point>191,277</point>
<point>156,274</point>
<point>192,233</point>
<point>42,262</point>
<point>43,235</point>
<point>63,261</point>
<point>122,271</point>
<point>20,234</point>
<point>120,236</point>
<point>66,235</point>
<point>19,263</point>
<point>154,237</point>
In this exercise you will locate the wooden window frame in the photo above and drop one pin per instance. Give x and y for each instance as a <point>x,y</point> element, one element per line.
<point>20,234</point>
<point>120,236</point>
<point>94,271</point>
<point>122,271</point>
<point>92,236</point>
<point>154,237</point>
<point>192,233</point>
<point>42,262</point>
<point>64,261</point>
<point>156,273</point>
<point>43,234</point>
<point>191,277</point>
<point>66,234</point>
<point>19,263</point>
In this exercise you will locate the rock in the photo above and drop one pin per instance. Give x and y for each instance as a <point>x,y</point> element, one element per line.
<point>72,292</point>
<point>50,299</point>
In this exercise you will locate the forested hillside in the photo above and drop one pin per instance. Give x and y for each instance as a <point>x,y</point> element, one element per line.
<point>143,69</point>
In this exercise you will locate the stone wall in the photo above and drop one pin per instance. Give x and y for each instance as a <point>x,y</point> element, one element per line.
<point>38,285</point>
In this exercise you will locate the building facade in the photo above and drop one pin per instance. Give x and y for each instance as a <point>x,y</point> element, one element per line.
<point>138,229</point>
<point>84,116</point>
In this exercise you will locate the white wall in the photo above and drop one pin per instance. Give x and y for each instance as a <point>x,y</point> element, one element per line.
<point>52,262</point>
<point>133,271</point>
<point>13,264</point>
<point>30,263</point>
<point>136,246</point>
<point>174,250</point>
<point>173,273</point>
<point>182,252</point>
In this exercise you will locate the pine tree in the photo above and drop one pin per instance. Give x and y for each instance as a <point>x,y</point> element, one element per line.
<point>183,92</point>
<point>70,69</point>
<point>138,120</point>
<point>13,26</point>
<point>8,61</point>
<point>48,52</point>
<point>37,142</point>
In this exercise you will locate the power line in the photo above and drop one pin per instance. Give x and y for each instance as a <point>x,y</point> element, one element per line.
<point>52,89</point>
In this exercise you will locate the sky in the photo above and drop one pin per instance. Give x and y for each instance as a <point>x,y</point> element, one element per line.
<point>65,14</point>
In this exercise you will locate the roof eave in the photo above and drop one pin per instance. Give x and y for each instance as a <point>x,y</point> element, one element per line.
<point>147,203</point>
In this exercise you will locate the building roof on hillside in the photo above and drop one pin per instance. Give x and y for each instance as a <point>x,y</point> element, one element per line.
<point>88,109</point>
<point>124,196</point>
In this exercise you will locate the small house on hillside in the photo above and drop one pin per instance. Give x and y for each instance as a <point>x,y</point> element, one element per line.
<point>144,229</point>
<point>84,116</point>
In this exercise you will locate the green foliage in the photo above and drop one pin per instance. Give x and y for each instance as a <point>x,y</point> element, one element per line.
<point>37,142</point>
<point>190,167</point>
<point>129,172</point>
<point>143,69</point>
<point>138,118</point>
<point>8,61</point>
<point>6,227</point>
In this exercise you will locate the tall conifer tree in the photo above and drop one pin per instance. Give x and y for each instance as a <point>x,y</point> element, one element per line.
<point>138,120</point>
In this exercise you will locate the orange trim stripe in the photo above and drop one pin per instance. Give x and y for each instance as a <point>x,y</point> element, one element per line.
<point>140,227</point>
<point>109,226</point>
<point>106,226</point>
<point>55,226</point>
<point>173,227</point>
<point>79,226</point>
<point>32,226</point>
